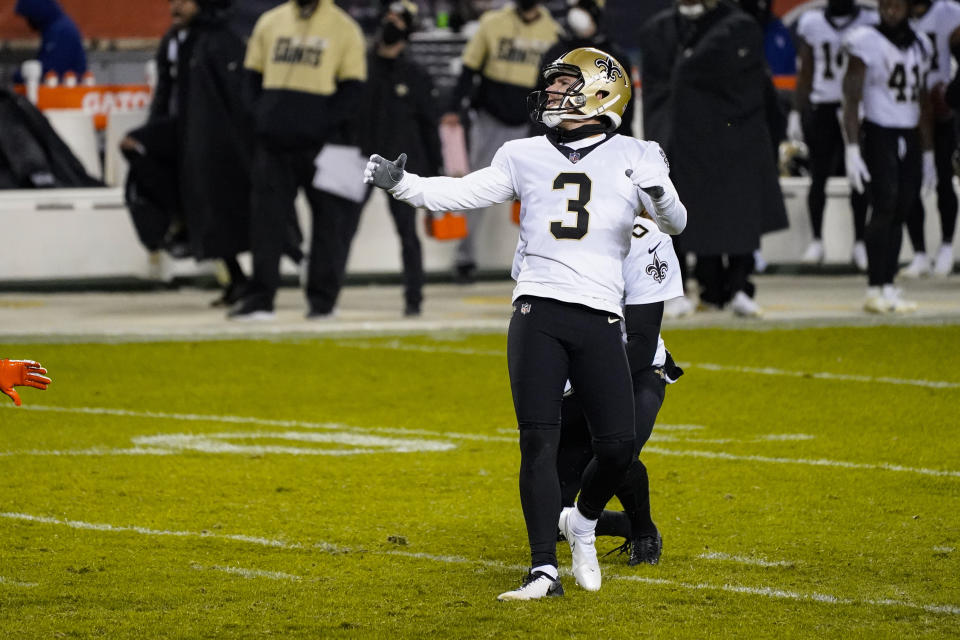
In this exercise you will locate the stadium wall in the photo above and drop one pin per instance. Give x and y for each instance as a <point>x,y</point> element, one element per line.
<point>86,233</point>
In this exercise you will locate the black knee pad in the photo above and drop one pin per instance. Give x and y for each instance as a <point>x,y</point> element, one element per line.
<point>539,444</point>
<point>617,454</point>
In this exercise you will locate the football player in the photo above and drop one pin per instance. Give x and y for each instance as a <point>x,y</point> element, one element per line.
<point>939,19</point>
<point>651,275</point>
<point>21,373</point>
<point>581,188</point>
<point>887,69</point>
<point>818,97</point>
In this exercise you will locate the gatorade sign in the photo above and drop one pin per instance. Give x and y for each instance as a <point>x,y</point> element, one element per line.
<point>97,101</point>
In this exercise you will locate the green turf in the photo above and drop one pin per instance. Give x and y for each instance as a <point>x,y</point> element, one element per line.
<point>414,544</point>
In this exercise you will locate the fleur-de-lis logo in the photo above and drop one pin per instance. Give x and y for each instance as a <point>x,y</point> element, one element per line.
<point>657,269</point>
<point>610,68</point>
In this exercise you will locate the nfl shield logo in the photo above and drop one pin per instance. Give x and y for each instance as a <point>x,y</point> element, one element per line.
<point>574,157</point>
<point>525,308</point>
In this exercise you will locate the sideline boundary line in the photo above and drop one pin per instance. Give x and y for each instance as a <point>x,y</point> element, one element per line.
<point>767,592</point>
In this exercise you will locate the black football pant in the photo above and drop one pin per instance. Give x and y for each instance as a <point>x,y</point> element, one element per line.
<point>277,176</point>
<point>821,129</point>
<point>405,220</point>
<point>719,281</point>
<point>649,389</point>
<point>547,343</point>
<point>893,157</point>
<point>944,144</point>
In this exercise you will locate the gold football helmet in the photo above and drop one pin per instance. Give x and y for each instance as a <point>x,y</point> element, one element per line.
<point>602,89</point>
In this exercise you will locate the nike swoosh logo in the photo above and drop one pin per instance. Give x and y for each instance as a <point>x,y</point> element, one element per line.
<point>612,320</point>
<point>654,247</point>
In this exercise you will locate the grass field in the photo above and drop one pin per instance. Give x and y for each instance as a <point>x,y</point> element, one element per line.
<point>806,482</point>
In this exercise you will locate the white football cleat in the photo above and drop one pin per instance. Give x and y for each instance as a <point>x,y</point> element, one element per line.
<point>586,567</point>
<point>894,297</point>
<point>813,254</point>
<point>535,586</point>
<point>745,306</point>
<point>859,255</point>
<point>919,267</point>
<point>876,302</point>
<point>943,263</point>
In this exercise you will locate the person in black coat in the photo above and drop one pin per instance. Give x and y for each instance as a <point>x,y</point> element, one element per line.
<point>193,155</point>
<point>706,94</point>
<point>400,113</point>
<point>583,21</point>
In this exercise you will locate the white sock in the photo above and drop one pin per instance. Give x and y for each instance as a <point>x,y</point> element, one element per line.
<point>548,569</point>
<point>872,292</point>
<point>579,524</point>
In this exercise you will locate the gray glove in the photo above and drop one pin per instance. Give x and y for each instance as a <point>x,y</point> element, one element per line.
<point>382,173</point>
<point>655,191</point>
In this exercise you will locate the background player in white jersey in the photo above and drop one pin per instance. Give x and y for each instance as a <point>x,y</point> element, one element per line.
<point>651,274</point>
<point>887,71</point>
<point>581,189</point>
<point>940,20</point>
<point>818,98</point>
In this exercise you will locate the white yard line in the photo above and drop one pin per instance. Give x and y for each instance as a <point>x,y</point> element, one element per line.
<point>765,592</point>
<point>822,375</point>
<point>94,526</point>
<point>397,345</point>
<point>817,462</point>
<point>10,582</point>
<point>250,573</point>
<point>759,562</point>
<point>264,422</point>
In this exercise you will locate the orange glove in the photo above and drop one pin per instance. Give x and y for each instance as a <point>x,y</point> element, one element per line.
<point>19,373</point>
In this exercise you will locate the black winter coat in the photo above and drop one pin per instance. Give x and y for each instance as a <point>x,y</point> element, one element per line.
<point>705,100</point>
<point>399,113</point>
<point>198,155</point>
<point>32,155</point>
<point>216,144</point>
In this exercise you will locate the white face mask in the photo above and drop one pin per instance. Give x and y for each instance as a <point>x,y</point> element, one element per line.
<point>581,23</point>
<point>691,11</point>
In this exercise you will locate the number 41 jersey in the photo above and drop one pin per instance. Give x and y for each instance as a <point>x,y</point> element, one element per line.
<point>895,76</point>
<point>576,216</point>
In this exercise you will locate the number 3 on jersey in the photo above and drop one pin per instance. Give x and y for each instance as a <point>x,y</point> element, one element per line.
<point>577,206</point>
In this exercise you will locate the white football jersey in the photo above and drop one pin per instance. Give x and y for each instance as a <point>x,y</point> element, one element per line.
<point>939,22</point>
<point>894,77</point>
<point>825,35</point>
<point>651,271</point>
<point>576,216</point>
